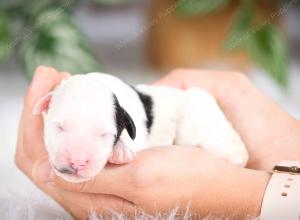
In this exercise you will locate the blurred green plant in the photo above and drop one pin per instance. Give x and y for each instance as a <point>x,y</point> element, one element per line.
<point>43,33</point>
<point>263,42</point>
<point>112,2</point>
<point>5,35</point>
<point>196,7</point>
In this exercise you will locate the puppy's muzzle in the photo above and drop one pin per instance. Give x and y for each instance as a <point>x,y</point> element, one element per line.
<point>66,170</point>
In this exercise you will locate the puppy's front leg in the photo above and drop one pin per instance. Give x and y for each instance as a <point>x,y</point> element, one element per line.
<point>122,153</point>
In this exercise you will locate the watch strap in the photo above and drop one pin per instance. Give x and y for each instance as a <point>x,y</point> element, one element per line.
<point>282,196</point>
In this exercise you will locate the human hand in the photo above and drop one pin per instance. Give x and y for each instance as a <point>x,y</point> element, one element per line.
<point>178,177</point>
<point>158,186</point>
<point>30,144</point>
<point>270,133</point>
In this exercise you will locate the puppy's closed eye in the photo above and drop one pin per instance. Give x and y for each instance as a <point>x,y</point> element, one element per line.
<point>59,127</point>
<point>104,135</point>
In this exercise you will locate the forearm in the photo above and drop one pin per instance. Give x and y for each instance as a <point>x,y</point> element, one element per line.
<point>237,192</point>
<point>264,126</point>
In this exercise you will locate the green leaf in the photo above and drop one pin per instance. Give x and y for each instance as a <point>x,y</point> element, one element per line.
<point>240,30</point>
<point>267,48</point>
<point>56,41</point>
<point>199,7</point>
<point>113,2</point>
<point>5,36</point>
<point>33,8</point>
<point>263,42</point>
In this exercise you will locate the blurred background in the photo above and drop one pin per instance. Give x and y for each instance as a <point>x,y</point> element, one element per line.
<point>140,41</point>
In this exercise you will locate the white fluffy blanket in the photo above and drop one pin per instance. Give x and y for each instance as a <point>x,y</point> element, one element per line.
<point>34,205</point>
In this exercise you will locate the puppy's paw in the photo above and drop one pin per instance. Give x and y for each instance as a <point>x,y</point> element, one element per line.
<point>239,158</point>
<point>122,155</point>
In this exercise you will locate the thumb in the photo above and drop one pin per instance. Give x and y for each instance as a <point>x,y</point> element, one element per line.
<point>112,179</point>
<point>107,181</point>
<point>42,171</point>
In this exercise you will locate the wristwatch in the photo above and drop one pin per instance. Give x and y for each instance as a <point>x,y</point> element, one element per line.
<point>282,196</point>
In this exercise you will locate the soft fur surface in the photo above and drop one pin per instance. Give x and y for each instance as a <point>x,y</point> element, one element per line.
<point>15,206</point>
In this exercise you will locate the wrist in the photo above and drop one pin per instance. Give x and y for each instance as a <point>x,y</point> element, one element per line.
<point>286,148</point>
<point>250,188</point>
<point>235,192</point>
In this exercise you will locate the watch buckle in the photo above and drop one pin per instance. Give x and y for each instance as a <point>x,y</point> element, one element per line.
<point>287,169</point>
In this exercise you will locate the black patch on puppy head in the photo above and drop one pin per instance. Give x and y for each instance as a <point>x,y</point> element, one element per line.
<point>123,121</point>
<point>148,107</point>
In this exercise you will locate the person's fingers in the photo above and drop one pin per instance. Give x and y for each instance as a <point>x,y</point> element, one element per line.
<point>29,144</point>
<point>65,75</point>
<point>44,80</point>
<point>112,179</point>
<point>76,197</point>
<point>77,203</point>
<point>250,112</point>
<point>169,80</point>
<point>184,78</point>
<point>21,160</point>
<point>119,179</point>
<point>215,82</point>
<point>42,171</point>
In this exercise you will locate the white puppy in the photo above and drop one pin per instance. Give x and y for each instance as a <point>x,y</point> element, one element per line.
<point>95,118</point>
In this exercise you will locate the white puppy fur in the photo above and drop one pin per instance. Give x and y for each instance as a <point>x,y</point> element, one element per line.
<point>95,118</point>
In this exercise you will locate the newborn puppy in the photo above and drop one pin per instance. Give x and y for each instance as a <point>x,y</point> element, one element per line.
<point>95,118</point>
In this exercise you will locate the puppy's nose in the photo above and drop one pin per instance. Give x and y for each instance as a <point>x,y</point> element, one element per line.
<point>67,170</point>
<point>78,163</point>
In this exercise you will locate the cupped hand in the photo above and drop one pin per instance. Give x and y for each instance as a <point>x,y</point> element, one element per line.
<point>269,132</point>
<point>187,179</point>
<point>30,144</point>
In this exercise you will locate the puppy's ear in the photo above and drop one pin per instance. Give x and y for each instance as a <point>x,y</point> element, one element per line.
<point>42,104</point>
<point>129,124</point>
<point>123,120</point>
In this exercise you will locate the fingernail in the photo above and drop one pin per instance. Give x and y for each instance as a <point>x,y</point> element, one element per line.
<point>43,172</point>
